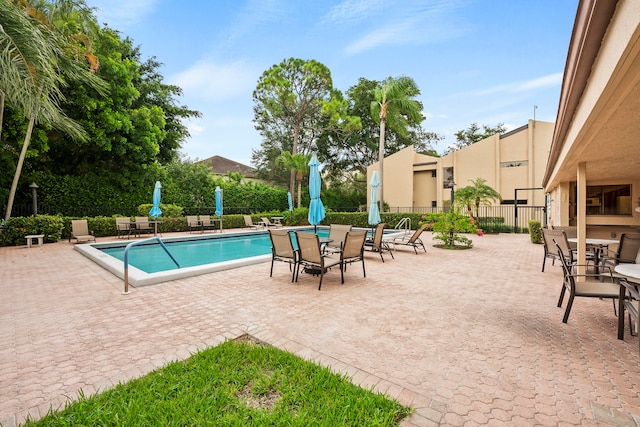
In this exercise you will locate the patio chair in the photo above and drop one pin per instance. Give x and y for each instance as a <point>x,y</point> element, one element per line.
<point>310,256</point>
<point>193,223</point>
<point>248,222</point>
<point>123,226</point>
<point>631,305</point>
<point>80,231</point>
<point>337,234</point>
<point>413,241</point>
<point>376,244</point>
<point>352,250</point>
<point>282,250</point>
<point>550,250</point>
<point>210,224</point>
<point>626,253</point>
<point>142,225</point>
<point>266,222</point>
<point>589,287</point>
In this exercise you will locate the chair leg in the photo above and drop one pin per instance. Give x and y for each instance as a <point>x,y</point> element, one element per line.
<point>321,276</point>
<point>568,310</point>
<point>564,289</point>
<point>543,261</point>
<point>364,273</point>
<point>271,272</point>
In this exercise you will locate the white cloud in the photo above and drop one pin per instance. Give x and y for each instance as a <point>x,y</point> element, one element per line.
<point>522,86</point>
<point>122,14</point>
<point>350,11</point>
<point>207,79</point>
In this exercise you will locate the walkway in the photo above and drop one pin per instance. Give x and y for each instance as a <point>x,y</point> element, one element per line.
<point>467,337</point>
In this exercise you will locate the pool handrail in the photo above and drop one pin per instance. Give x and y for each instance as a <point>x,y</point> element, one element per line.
<point>126,258</point>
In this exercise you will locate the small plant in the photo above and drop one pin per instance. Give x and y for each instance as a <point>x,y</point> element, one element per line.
<point>535,231</point>
<point>448,227</point>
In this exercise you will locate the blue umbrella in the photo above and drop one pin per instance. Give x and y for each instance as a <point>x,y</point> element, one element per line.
<point>155,211</point>
<point>374,211</point>
<point>218,201</point>
<point>316,209</point>
<point>290,201</point>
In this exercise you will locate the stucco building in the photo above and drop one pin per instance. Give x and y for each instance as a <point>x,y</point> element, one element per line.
<point>593,173</point>
<point>514,160</point>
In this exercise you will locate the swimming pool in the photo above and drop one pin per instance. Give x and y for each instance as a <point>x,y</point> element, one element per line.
<point>149,264</point>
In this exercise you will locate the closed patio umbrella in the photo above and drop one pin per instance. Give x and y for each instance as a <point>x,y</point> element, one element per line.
<point>374,211</point>
<point>155,211</point>
<point>218,201</point>
<point>290,201</point>
<point>316,208</point>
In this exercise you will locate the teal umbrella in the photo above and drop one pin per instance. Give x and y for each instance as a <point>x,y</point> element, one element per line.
<point>316,208</point>
<point>374,211</point>
<point>155,211</point>
<point>218,201</point>
<point>290,201</point>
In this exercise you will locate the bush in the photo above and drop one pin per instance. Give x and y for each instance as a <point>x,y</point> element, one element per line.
<point>168,211</point>
<point>15,229</point>
<point>448,226</point>
<point>535,231</point>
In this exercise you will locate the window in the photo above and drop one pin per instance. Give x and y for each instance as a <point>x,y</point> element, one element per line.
<point>434,203</point>
<point>447,177</point>
<point>511,202</point>
<point>609,199</point>
<point>515,164</point>
<point>433,174</point>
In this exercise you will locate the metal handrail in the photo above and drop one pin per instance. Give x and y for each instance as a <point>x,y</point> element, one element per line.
<point>404,223</point>
<point>126,259</point>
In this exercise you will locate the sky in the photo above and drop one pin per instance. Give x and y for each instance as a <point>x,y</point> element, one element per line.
<point>475,61</point>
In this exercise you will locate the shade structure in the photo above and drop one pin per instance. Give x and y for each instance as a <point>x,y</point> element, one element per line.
<point>155,211</point>
<point>316,208</point>
<point>374,210</point>
<point>218,201</point>
<point>290,201</point>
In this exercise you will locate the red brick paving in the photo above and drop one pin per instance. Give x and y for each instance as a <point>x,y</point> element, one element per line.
<point>466,337</point>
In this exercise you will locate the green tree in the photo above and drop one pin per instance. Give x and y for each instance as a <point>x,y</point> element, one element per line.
<point>394,105</point>
<point>473,134</point>
<point>298,164</point>
<point>475,195</point>
<point>288,101</point>
<point>43,47</point>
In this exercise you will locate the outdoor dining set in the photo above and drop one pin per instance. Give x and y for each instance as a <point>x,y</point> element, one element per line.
<point>607,274</point>
<point>343,246</point>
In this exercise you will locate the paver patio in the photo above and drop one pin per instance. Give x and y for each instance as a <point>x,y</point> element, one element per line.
<point>468,337</point>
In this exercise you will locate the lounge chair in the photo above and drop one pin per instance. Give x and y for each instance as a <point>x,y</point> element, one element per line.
<point>376,244</point>
<point>193,223</point>
<point>266,222</point>
<point>310,256</point>
<point>123,226</point>
<point>248,222</point>
<point>352,250</point>
<point>210,224</point>
<point>282,250</point>
<point>413,241</point>
<point>142,225</point>
<point>337,235</point>
<point>583,285</point>
<point>80,231</point>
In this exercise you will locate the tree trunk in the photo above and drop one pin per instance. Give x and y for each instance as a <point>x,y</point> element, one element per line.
<point>16,177</point>
<point>294,151</point>
<point>1,112</point>
<point>299,193</point>
<point>381,160</point>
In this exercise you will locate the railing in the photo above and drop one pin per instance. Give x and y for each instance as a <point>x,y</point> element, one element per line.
<point>126,259</point>
<point>404,224</point>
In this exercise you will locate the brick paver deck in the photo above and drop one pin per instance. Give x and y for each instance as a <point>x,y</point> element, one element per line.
<point>468,337</point>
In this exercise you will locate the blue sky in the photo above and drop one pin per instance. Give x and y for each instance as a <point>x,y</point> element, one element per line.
<point>482,61</point>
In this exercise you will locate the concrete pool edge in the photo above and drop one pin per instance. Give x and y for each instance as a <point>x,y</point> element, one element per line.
<point>139,278</point>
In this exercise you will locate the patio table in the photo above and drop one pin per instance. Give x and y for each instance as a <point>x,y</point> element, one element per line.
<point>598,245</point>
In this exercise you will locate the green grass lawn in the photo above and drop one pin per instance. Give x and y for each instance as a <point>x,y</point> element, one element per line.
<point>238,383</point>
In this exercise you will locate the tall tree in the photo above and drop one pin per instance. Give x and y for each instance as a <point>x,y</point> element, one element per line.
<point>476,194</point>
<point>288,98</point>
<point>473,134</point>
<point>394,105</point>
<point>40,54</point>
<point>299,164</point>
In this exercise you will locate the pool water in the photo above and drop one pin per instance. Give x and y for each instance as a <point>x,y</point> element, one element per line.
<point>151,258</point>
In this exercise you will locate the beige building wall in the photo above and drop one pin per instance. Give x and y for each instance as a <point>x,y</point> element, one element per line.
<point>516,159</point>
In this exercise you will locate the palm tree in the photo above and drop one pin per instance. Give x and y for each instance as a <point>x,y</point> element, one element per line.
<point>394,105</point>
<point>298,164</point>
<point>37,58</point>
<point>479,193</point>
